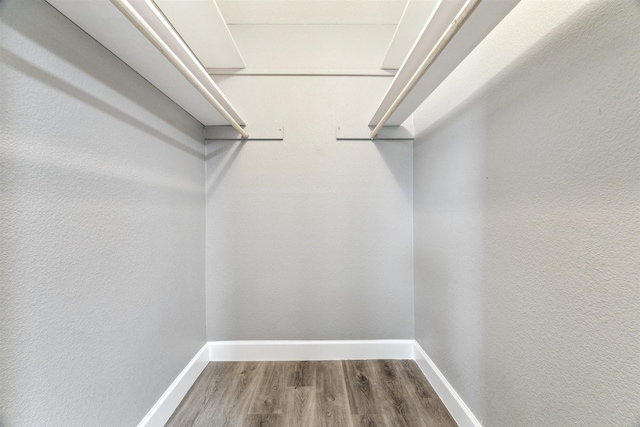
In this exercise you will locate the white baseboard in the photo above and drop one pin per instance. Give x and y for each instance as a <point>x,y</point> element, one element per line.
<point>310,350</point>
<point>454,403</point>
<point>217,351</point>
<point>171,398</point>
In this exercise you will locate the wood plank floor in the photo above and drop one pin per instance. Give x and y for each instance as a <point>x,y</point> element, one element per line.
<point>348,393</point>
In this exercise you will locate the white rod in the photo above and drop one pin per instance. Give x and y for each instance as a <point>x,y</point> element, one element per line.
<point>156,40</point>
<point>151,4</point>
<point>444,40</point>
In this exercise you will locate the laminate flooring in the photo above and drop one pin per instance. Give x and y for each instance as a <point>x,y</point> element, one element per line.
<point>348,393</point>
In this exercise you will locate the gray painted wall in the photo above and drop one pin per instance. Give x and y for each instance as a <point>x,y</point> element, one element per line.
<point>308,238</point>
<point>526,222</point>
<point>101,230</point>
<point>527,219</point>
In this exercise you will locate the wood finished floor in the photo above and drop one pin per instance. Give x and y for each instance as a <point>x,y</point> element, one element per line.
<point>349,393</point>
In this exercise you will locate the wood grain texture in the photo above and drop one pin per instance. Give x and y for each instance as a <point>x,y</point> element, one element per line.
<point>301,406</point>
<point>370,420</point>
<point>350,393</point>
<point>301,374</point>
<point>331,395</point>
<point>268,398</point>
<point>424,396</point>
<point>360,387</point>
<point>392,395</point>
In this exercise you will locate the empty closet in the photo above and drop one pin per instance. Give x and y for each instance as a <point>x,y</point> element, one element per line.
<point>238,201</point>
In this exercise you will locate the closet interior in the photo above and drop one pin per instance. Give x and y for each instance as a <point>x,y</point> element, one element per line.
<point>437,199</point>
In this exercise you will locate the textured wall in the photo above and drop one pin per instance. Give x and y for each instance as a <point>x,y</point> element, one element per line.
<point>308,238</point>
<point>527,219</point>
<point>101,230</point>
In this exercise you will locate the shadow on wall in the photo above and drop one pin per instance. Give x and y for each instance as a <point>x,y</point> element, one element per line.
<point>220,156</point>
<point>55,41</point>
<point>74,197</point>
<point>12,60</point>
<point>393,154</point>
<point>449,186</point>
<point>524,82</point>
<point>549,131</point>
<point>96,63</point>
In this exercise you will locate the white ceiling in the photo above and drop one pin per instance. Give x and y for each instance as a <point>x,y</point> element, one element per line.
<point>325,37</point>
<point>269,49</point>
<point>312,12</point>
<point>200,24</point>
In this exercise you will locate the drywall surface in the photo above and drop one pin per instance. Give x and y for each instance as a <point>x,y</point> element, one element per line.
<point>101,230</point>
<point>527,219</point>
<point>308,238</point>
<point>275,47</point>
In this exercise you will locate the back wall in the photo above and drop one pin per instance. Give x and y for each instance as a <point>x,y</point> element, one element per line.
<point>308,238</point>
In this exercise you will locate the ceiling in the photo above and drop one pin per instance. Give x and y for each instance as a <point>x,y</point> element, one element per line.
<point>277,37</point>
<point>372,34</point>
<point>304,35</point>
<point>220,34</point>
<point>312,12</point>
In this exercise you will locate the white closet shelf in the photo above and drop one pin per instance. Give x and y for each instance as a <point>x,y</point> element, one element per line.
<point>104,22</point>
<point>448,37</point>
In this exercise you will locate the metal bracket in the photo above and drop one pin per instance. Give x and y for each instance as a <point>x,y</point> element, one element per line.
<point>269,132</point>
<point>363,133</point>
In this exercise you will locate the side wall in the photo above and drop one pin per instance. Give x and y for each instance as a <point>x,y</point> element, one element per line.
<point>308,238</point>
<point>101,230</point>
<point>527,218</point>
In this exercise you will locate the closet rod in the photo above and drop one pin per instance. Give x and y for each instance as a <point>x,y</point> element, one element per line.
<point>132,15</point>
<point>447,36</point>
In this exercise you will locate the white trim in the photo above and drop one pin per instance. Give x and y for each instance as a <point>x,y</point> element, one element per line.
<point>171,398</point>
<point>215,351</point>
<point>454,403</point>
<point>310,350</point>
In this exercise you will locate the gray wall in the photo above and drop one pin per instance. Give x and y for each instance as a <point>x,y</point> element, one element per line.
<point>101,230</point>
<point>527,219</point>
<point>308,238</point>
